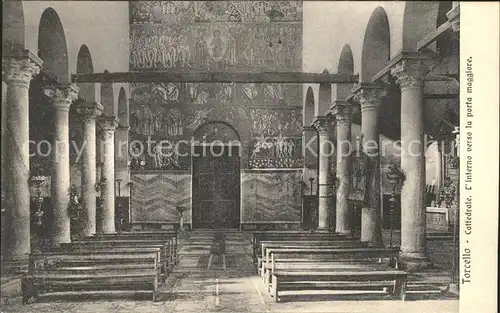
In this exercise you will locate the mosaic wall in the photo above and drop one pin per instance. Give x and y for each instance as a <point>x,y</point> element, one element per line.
<point>271,196</point>
<point>216,36</point>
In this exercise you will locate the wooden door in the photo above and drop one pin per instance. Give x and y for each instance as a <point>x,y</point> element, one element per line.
<point>216,187</point>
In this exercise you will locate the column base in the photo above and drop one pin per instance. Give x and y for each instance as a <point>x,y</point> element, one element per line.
<point>413,263</point>
<point>373,244</point>
<point>323,230</point>
<point>452,289</point>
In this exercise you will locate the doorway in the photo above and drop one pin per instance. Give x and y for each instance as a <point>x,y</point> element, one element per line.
<point>216,186</point>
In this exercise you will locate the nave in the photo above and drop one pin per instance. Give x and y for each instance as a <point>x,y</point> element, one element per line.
<point>200,283</point>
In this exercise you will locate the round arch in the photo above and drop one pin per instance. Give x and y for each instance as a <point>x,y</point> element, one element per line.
<point>308,115</point>
<point>322,106</point>
<point>419,19</point>
<point>345,66</point>
<point>216,131</point>
<point>108,98</point>
<point>84,66</point>
<point>376,45</point>
<point>52,46</point>
<point>123,109</point>
<point>13,27</point>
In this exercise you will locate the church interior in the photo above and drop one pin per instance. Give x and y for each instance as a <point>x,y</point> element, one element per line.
<point>236,156</point>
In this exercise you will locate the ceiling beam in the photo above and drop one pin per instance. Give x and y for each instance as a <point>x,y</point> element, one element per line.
<point>215,77</point>
<point>433,36</point>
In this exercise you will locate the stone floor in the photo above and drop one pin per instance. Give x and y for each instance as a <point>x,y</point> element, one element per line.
<point>230,284</point>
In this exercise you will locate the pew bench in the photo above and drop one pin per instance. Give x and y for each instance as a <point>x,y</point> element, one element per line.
<point>80,248</point>
<point>293,236</point>
<point>166,252</point>
<point>95,273</point>
<point>339,280</point>
<point>304,244</point>
<point>342,254</point>
<point>142,235</point>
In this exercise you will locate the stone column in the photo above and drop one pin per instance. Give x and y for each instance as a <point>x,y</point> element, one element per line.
<point>342,112</point>
<point>62,97</point>
<point>326,176</point>
<point>89,112</point>
<point>409,74</point>
<point>370,97</point>
<point>107,137</point>
<point>18,71</point>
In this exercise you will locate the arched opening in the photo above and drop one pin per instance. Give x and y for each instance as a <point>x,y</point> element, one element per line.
<point>123,110</point>
<point>324,98</point>
<point>52,47</point>
<point>376,44</point>
<point>216,176</point>
<point>12,27</point>
<point>345,66</point>
<point>419,19</point>
<point>308,107</point>
<point>84,66</point>
<point>107,98</point>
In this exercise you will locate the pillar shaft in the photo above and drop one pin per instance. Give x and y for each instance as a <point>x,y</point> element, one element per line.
<point>370,98</point>
<point>409,74</point>
<point>62,98</point>
<point>89,112</point>
<point>326,176</point>
<point>344,217</point>
<point>107,138</point>
<point>18,73</point>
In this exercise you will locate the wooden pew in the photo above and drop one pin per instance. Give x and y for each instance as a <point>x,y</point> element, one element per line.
<point>170,236</point>
<point>305,244</point>
<point>352,278</point>
<point>91,271</point>
<point>137,243</point>
<point>89,248</point>
<point>322,254</point>
<point>293,236</point>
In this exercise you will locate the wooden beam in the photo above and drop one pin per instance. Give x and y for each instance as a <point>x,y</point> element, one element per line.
<point>215,77</point>
<point>442,96</point>
<point>433,36</point>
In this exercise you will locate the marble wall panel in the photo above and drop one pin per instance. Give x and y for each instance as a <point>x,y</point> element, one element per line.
<point>271,196</point>
<point>155,196</point>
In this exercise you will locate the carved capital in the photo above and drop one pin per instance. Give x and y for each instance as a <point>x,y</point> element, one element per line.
<point>410,73</point>
<point>308,128</point>
<point>323,124</point>
<point>88,111</point>
<point>342,111</point>
<point>369,97</point>
<point>108,123</point>
<point>20,69</point>
<point>62,96</point>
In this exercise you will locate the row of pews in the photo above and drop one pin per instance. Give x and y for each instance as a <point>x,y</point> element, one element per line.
<point>103,263</point>
<point>297,261</point>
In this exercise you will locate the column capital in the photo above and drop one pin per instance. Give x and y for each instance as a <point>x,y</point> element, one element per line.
<point>342,110</point>
<point>323,124</point>
<point>20,67</point>
<point>410,73</point>
<point>88,111</point>
<point>369,96</point>
<point>62,95</point>
<point>308,128</point>
<point>109,123</point>
<point>125,128</point>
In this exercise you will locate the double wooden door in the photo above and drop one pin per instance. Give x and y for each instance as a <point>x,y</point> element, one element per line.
<point>216,187</point>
